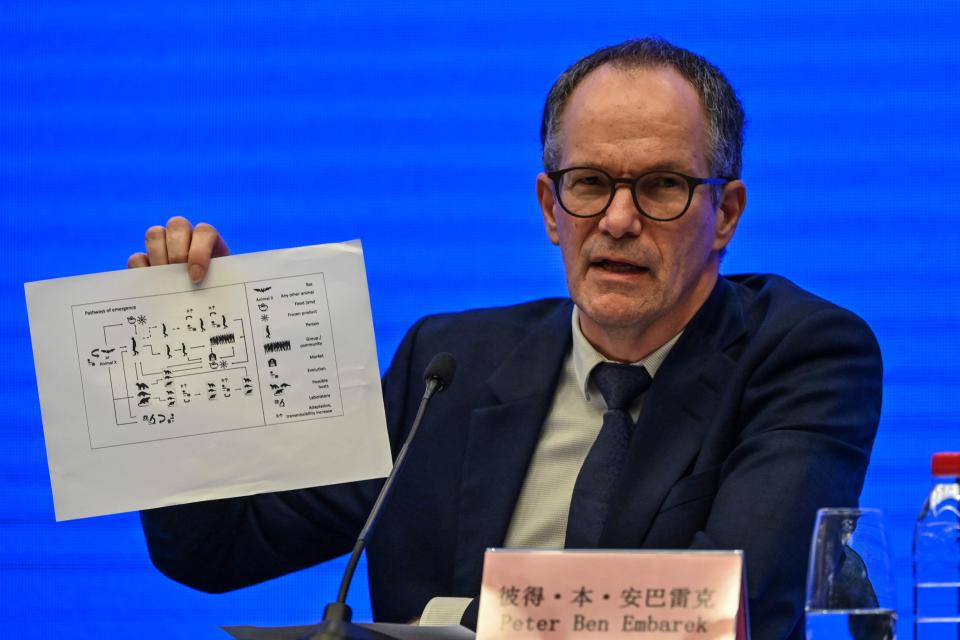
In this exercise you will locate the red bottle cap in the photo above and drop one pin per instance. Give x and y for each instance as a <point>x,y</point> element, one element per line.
<point>946,464</point>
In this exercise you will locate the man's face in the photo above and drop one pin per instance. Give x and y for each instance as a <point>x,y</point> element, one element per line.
<point>629,275</point>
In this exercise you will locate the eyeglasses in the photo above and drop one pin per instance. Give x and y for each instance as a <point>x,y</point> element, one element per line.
<point>585,192</point>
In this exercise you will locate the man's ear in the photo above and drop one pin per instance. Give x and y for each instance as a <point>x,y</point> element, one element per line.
<point>548,203</point>
<point>733,200</point>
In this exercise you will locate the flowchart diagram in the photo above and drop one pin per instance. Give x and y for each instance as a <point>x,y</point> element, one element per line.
<point>251,354</point>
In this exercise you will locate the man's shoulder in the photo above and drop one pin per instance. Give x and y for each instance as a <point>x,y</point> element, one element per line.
<point>762,295</point>
<point>773,305</point>
<point>503,321</point>
<point>488,335</point>
<point>482,340</point>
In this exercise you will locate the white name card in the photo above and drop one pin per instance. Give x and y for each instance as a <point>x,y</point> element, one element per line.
<point>613,594</point>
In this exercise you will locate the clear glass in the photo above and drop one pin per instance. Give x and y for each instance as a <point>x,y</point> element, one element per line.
<point>850,592</point>
<point>936,564</point>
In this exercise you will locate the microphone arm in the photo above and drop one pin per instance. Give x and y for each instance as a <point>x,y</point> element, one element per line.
<point>438,375</point>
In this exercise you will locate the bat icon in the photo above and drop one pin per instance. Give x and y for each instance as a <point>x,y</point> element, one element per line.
<point>263,290</point>
<point>107,351</point>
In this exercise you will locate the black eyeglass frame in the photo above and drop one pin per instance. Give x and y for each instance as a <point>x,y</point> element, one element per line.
<point>691,181</point>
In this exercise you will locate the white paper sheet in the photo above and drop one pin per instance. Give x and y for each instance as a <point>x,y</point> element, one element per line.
<point>155,391</point>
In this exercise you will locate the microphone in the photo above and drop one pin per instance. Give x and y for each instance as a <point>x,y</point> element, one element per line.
<point>439,372</point>
<point>336,616</point>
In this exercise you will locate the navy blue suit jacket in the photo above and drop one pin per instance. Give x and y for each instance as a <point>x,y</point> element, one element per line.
<point>765,410</point>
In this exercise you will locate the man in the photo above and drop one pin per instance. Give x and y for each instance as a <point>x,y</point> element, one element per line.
<point>763,405</point>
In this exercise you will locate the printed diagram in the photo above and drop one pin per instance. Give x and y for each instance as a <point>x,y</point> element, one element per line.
<point>196,355</point>
<point>223,358</point>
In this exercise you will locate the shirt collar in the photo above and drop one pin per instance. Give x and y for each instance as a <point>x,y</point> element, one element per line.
<point>586,357</point>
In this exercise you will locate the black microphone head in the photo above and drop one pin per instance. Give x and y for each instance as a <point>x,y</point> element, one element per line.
<point>441,368</point>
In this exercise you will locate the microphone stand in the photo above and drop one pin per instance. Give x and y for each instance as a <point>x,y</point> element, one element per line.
<point>336,623</point>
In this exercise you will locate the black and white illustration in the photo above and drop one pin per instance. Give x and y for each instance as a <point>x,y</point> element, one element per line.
<point>252,354</point>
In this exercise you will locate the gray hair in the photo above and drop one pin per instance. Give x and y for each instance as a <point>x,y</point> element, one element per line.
<point>722,108</point>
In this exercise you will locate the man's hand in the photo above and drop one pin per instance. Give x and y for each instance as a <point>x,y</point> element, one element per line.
<point>181,242</point>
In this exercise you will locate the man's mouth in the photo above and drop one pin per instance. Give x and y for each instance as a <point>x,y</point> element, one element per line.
<point>615,266</point>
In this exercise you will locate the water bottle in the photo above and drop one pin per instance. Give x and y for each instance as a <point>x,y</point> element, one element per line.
<point>936,555</point>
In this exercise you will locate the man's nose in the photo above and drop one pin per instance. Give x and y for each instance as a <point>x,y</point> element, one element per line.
<point>621,217</point>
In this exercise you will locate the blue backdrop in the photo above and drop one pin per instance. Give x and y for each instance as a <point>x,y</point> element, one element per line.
<point>413,125</point>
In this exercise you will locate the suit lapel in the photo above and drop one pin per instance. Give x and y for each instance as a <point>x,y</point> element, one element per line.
<point>502,437</point>
<point>675,416</point>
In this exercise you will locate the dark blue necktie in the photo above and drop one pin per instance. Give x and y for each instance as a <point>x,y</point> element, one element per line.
<point>620,385</point>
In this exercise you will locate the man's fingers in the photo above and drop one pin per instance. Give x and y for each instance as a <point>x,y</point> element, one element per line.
<point>178,234</point>
<point>137,260</point>
<point>156,241</point>
<point>180,242</point>
<point>206,244</point>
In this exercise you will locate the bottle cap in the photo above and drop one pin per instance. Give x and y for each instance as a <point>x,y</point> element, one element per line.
<point>946,464</point>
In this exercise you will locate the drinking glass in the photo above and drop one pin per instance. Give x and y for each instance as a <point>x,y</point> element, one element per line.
<point>850,592</point>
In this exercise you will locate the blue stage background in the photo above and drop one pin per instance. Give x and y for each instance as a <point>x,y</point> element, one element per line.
<point>414,126</point>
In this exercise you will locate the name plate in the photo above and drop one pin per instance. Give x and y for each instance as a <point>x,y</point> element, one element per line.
<point>613,594</point>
